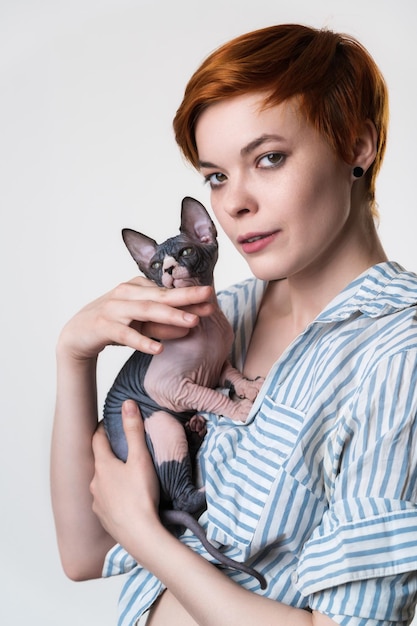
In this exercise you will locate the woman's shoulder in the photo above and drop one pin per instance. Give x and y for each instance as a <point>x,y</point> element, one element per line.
<point>388,288</point>
<point>242,298</point>
<point>244,291</point>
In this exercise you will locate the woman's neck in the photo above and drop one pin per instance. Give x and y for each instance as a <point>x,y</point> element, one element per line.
<point>289,305</point>
<point>304,295</point>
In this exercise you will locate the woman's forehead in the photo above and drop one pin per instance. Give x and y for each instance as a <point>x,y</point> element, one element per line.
<point>246,122</point>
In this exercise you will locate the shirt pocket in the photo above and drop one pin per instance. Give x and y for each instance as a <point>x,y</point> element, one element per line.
<point>242,468</point>
<point>277,427</point>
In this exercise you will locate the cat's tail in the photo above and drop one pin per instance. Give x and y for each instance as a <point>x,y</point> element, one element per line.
<point>171,517</point>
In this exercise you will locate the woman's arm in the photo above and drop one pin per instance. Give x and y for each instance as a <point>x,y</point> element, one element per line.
<point>126,501</point>
<point>82,540</point>
<point>128,315</point>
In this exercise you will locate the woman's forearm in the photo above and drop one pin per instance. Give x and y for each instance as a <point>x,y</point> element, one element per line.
<point>209,596</point>
<point>81,538</point>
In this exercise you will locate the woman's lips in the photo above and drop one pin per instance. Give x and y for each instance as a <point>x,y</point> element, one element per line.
<point>256,242</point>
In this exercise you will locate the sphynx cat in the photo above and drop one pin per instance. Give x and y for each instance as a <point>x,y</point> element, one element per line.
<point>171,388</point>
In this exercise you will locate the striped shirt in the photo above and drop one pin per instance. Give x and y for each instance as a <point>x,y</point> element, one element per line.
<point>318,489</point>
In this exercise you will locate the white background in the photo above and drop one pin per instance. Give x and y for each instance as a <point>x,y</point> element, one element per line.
<point>88,89</point>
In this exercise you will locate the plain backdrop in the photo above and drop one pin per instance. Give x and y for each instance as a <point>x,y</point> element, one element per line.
<point>88,89</point>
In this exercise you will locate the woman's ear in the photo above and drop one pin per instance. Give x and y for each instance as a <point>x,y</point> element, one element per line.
<point>365,149</point>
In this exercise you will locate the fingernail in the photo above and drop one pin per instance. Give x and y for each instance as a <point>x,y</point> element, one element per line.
<point>130,407</point>
<point>155,347</point>
<point>189,317</point>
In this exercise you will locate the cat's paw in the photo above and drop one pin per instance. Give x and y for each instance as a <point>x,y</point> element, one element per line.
<point>196,430</point>
<point>241,410</point>
<point>198,425</point>
<point>247,388</point>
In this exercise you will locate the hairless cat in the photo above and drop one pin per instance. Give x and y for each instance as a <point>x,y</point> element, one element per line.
<point>172,387</point>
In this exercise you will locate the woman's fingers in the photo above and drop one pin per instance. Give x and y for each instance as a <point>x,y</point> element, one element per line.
<point>156,312</point>
<point>142,289</point>
<point>124,494</point>
<point>134,430</point>
<point>135,314</point>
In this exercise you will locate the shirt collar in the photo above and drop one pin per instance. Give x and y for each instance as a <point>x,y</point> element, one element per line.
<point>381,290</point>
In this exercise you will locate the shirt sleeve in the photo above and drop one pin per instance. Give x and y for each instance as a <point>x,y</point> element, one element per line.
<point>117,562</point>
<point>389,604</point>
<point>140,589</point>
<point>359,565</point>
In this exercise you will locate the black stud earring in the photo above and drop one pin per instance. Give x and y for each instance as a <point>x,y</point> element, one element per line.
<point>358,171</point>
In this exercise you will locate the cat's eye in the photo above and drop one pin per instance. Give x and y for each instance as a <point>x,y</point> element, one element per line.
<point>156,265</point>
<point>186,252</point>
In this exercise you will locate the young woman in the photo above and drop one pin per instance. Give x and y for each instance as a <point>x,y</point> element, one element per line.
<point>317,490</point>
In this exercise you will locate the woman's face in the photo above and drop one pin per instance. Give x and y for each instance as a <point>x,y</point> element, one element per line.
<point>278,190</point>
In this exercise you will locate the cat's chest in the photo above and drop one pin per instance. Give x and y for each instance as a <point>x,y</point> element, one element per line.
<point>199,356</point>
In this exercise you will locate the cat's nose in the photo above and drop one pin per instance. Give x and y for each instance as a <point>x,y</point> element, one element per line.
<point>169,265</point>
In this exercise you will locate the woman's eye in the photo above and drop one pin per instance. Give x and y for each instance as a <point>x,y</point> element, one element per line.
<point>216,179</point>
<point>272,159</point>
<point>186,252</point>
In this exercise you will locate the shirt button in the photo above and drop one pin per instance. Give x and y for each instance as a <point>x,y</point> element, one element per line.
<point>294,577</point>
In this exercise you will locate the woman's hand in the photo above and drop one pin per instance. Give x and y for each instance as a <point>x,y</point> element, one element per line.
<point>125,495</point>
<point>131,314</point>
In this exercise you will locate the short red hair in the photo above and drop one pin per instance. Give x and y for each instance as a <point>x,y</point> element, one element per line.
<point>338,84</point>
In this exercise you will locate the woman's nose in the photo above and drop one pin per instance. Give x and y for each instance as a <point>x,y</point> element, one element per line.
<point>239,199</point>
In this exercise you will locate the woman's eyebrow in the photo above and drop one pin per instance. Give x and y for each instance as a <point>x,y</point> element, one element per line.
<point>250,147</point>
<point>206,164</point>
<point>253,145</point>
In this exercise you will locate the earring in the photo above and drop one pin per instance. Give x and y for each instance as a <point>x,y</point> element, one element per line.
<point>358,171</point>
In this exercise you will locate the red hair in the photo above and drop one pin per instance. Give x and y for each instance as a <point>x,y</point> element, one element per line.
<point>337,82</point>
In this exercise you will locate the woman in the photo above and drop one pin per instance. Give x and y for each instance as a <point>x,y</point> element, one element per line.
<point>318,489</point>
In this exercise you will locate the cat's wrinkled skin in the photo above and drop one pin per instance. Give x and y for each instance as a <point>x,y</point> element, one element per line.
<point>173,387</point>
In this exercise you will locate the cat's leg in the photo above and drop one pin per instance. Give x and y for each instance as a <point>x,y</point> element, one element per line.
<point>243,387</point>
<point>196,429</point>
<point>170,451</point>
<point>128,385</point>
<point>205,399</point>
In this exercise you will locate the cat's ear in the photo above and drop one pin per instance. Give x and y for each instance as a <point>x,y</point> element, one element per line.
<point>196,222</point>
<point>141,247</point>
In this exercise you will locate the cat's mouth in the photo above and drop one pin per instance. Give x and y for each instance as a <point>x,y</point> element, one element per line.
<point>178,277</point>
<point>185,282</point>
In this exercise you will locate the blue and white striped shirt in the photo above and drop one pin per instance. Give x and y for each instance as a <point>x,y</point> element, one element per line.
<point>318,489</point>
